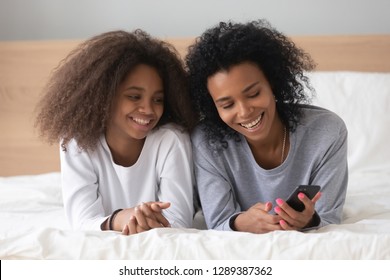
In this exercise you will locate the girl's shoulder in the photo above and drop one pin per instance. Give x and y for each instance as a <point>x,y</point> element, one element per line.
<point>169,132</point>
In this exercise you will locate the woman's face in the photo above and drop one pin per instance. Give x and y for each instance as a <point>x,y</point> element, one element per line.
<point>139,103</point>
<point>244,100</point>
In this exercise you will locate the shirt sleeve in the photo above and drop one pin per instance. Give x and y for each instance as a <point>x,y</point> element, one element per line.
<point>176,179</point>
<point>82,201</point>
<point>332,175</point>
<point>215,192</point>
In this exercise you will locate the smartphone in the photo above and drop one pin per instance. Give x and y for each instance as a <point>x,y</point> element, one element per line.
<point>309,190</point>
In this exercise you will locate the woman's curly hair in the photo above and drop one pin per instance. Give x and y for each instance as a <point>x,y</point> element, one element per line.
<point>229,44</point>
<point>78,97</point>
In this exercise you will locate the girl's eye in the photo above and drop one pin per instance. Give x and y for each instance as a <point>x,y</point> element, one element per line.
<point>158,100</point>
<point>133,97</point>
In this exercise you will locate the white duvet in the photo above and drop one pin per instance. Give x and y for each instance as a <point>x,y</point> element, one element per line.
<point>33,226</point>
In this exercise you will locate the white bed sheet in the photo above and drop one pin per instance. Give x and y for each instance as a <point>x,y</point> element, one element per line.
<point>33,226</point>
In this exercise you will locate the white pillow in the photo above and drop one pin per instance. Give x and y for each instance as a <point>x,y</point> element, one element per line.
<point>362,100</point>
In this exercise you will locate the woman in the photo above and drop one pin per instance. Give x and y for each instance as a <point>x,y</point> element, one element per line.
<point>119,106</point>
<point>257,140</point>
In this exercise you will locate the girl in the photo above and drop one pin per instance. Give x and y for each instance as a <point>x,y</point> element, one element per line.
<point>256,140</point>
<point>118,105</point>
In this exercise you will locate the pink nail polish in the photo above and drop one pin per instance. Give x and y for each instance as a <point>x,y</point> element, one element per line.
<point>277,209</point>
<point>301,195</point>
<point>279,201</point>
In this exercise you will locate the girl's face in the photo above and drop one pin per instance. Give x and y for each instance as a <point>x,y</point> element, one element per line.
<point>244,100</point>
<point>139,103</point>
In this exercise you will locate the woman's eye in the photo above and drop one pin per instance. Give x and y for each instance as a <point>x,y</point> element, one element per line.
<point>254,94</point>
<point>227,106</point>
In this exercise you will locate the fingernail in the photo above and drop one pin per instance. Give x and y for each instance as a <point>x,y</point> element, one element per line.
<point>282,223</point>
<point>301,195</point>
<point>277,209</point>
<point>279,201</point>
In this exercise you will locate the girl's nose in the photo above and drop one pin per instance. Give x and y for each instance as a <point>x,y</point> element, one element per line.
<point>146,107</point>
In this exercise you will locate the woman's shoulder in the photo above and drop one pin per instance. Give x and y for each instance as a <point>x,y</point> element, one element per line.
<point>200,138</point>
<point>203,140</point>
<point>199,134</point>
<point>321,118</point>
<point>321,125</point>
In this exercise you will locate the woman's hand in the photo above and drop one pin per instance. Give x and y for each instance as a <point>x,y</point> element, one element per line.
<point>141,218</point>
<point>294,220</point>
<point>257,219</point>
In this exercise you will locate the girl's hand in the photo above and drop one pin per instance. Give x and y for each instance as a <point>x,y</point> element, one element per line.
<point>294,220</point>
<point>257,219</point>
<point>145,217</point>
<point>149,215</point>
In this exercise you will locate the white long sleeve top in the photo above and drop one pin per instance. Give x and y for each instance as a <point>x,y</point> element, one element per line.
<point>94,186</point>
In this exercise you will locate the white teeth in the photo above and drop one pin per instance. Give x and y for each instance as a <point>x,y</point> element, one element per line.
<point>252,124</point>
<point>141,121</point>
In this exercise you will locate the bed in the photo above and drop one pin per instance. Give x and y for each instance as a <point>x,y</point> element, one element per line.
<point>352,78</point>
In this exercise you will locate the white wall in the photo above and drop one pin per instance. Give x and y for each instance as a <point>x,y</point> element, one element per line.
<point>79,19</point>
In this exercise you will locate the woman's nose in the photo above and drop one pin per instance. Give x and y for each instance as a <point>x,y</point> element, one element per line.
<point>244,109</point>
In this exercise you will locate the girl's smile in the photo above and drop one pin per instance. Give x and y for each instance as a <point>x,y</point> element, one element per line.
<point>139,104</point>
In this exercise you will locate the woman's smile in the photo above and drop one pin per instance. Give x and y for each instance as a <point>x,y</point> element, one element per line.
<point>253,124</point>
<point>244,100</point>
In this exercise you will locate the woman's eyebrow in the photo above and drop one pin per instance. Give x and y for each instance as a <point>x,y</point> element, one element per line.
<point>245,90</point>
<point>248,88</point>
<point>222,99</point>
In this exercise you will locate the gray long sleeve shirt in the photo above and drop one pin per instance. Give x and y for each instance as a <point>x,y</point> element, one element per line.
<point>230,181</point>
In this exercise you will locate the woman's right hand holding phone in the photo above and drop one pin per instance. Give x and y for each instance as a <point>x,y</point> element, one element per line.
<point>296,220</point>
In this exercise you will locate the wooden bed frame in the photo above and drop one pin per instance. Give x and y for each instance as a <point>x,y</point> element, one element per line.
<point>26,65</point>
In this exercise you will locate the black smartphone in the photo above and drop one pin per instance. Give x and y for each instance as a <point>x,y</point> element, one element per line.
<point>309,190</point>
